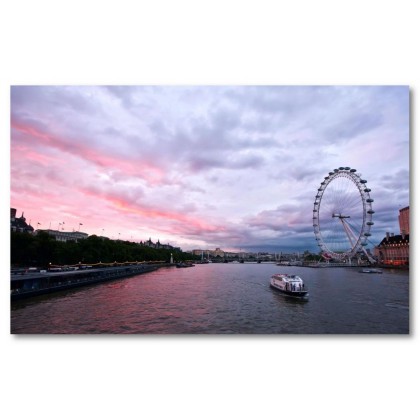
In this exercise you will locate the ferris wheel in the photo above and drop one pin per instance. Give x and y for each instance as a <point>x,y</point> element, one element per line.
<point>342,214</point>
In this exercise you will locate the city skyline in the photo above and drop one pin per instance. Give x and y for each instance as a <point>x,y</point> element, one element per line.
<point>203,167</point>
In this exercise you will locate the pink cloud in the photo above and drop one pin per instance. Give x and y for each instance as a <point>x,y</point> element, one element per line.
<point>134,166</point>
<point>127,206</point>
<point>81,196</point>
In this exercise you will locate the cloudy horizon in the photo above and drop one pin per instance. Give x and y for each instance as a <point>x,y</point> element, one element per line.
<point>235,167</point>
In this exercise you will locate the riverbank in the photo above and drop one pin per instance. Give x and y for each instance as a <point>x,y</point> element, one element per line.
<point>34,284</point>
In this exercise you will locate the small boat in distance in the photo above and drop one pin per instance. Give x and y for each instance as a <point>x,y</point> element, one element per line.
<point>289,284</point>
<point>371,270</point>
<point>184,264</point>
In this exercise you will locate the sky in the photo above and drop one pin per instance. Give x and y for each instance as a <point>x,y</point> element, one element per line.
<point>204,166</point>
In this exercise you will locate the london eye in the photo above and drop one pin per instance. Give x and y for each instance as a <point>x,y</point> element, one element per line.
<point>342,214</point>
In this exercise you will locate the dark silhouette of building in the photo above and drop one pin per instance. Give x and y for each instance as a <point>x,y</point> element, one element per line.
<point>158,245</point>
<point>18,224</point>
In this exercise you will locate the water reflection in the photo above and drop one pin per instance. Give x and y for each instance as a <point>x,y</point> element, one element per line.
<point>224,299</point>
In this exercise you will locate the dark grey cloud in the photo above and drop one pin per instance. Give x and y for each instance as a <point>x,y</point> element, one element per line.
<point>122,93</point>
<point>397,181</point>
<point>354,125</point>
<point>24,119</point>
<point>49,101</point>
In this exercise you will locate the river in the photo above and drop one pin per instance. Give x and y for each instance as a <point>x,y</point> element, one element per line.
<point>224,299</point>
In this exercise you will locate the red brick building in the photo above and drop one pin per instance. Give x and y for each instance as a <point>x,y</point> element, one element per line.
<point>394,250</point>
<point>404,219</point>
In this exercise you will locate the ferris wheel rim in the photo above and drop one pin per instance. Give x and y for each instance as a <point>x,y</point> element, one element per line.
<point>363,232</point>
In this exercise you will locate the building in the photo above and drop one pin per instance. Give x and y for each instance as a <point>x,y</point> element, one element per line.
<point>204,252</point>
<point>18,224</point>
<point>217,253</point>
<point>64,236</point>
<point>394,250</point>
<point>404,219</point>
<point>158,245</point>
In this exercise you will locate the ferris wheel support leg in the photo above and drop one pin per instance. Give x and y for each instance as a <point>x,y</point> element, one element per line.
<point>349,233</point>
<point>371,260</point>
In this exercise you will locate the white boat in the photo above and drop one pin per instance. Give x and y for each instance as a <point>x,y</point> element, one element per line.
<point>289,284</point>
<point>371,271</point>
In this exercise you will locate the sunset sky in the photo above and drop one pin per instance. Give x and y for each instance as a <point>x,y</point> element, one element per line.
<point>203,166</point>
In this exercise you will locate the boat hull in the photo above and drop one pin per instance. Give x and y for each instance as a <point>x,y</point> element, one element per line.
<point>291,293</point>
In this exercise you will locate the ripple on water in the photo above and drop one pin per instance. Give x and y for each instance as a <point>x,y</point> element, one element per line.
<point>397,306</point>
<point>223,299</point>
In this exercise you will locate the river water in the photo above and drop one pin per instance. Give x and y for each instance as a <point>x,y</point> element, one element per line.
<point>224,299</point>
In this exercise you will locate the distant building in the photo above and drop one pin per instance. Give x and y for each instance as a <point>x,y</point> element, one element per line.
<point>208,253</point>
<point>18,224</point>
<point>158,245</point>
<point>217,253</point>
<point>394,250</point>
<point>404,219</point>
<point>205,252</point>
<point>64,236</point>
